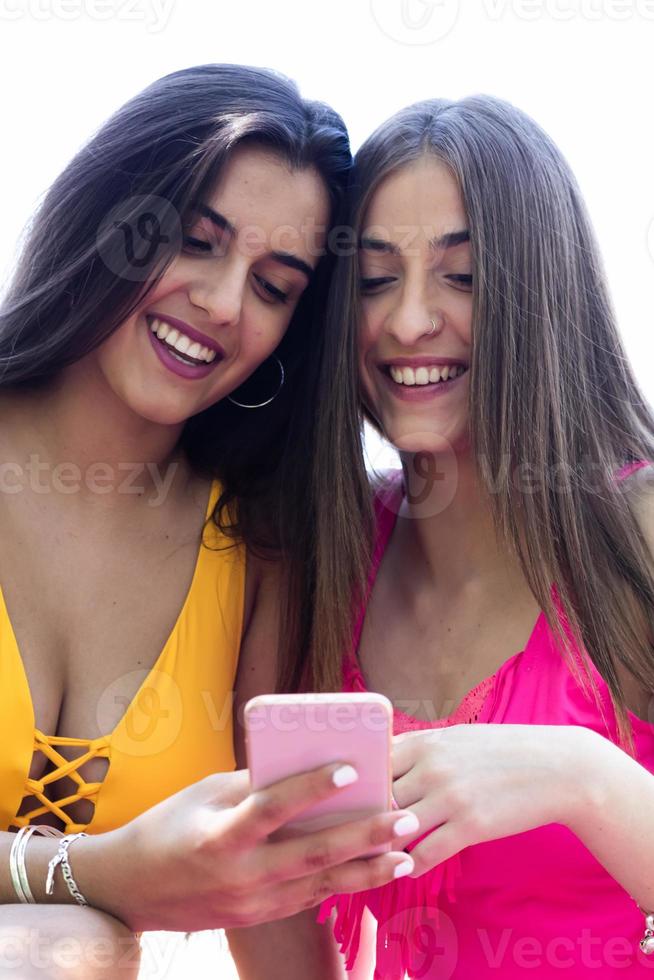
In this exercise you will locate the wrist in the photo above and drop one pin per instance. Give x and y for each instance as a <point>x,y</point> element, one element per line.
<point>586,770</point>
<point>98,864</point>
<point>39,852</point>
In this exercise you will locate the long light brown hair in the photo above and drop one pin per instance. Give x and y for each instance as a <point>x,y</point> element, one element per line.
<point>550,386</point>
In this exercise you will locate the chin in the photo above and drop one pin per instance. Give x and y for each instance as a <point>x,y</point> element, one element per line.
<point>159,412</point>
<point>417,441</point>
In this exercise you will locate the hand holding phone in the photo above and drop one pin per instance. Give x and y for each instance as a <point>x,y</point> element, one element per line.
<point>287,734</point>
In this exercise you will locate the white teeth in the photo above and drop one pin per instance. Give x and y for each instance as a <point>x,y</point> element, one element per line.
<point>180,342</point>
<point>425,375</point>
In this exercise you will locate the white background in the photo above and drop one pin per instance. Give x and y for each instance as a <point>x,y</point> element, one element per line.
<point>581,68</point>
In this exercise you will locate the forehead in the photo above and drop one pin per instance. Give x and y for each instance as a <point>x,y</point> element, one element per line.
<point>423,192</point>
<point>257,185</point>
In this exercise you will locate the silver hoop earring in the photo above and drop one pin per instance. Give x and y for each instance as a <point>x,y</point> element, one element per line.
<point>433,326</point>
<point>269,400</point>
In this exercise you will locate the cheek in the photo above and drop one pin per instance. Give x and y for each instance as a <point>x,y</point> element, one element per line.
<point>368,333</point>
<point>462,316</point>
<point>261,331</point>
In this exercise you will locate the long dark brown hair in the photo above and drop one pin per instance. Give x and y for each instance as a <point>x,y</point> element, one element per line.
<point>73,285</point>
<point>550,386</point>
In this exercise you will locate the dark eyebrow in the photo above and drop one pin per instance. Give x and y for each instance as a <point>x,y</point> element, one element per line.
<point>378,245</point>
<point>293,262</point>
<point>285,258</point>
<point>449,240</point>
<point>218,219</point>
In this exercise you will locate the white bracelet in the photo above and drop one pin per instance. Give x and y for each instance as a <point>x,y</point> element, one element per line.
<point>61,857</point>
<point>17,867</point>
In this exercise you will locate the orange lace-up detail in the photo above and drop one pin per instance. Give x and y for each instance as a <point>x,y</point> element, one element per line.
<point>96,748</point>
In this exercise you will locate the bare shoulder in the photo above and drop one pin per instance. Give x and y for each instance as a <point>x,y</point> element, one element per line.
<point>263,584</point>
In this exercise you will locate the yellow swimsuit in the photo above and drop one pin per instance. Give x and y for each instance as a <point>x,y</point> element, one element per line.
<point>176,730</point>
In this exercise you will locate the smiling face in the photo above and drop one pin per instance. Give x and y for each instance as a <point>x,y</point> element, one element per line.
<point>223,305</point>
<point>415,330</point>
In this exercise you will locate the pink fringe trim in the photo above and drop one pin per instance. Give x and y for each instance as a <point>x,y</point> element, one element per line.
<point>400,908</point>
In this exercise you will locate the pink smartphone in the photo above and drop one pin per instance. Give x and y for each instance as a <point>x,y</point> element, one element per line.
<point>287,734</point>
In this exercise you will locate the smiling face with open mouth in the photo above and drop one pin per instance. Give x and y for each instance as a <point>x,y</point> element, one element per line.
<point>225,302</point>
<point>415,329</point>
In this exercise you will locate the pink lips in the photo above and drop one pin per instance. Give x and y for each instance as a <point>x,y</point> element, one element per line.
<point>191,332</point>
<point>422,393</point>
<point>191,372</point>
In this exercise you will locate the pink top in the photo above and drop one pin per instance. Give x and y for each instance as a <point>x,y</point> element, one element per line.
<point>535,904</point>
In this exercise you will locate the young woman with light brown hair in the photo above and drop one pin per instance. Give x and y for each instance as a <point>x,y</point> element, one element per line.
<point>499,588</point>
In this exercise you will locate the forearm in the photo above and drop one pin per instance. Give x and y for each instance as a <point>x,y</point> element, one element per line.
<point>293,948</point>
<point>94,866</point>
<point>614,817</point>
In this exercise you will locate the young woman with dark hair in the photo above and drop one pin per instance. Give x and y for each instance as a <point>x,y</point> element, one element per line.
<point>473,328</point>
<point>159,346</point>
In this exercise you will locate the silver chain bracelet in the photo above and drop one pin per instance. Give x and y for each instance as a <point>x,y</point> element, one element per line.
<point>61,857</point>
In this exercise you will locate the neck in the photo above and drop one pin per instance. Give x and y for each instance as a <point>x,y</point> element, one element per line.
<point>77,433</point>
<point>448,513</point>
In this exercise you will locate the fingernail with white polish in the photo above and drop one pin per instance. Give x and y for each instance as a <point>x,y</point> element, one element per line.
<point>344,776</point>
<point>403,868</point>
<point>408,824</point>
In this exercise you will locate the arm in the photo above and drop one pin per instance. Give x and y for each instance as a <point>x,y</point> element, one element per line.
<point>296,947</point>
<point>617,819</point>
<point>616,816</point>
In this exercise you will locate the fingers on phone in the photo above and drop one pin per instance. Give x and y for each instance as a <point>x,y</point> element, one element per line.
<point>324,849</point>
<point>359,875</point>
<point>266,810</point>
<point>345,879</point>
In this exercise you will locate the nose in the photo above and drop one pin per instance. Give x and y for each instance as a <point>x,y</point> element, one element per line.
<point>412,321</point>
<point>220,293</point>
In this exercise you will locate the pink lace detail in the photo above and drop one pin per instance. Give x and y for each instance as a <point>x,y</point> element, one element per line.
<point>467,712</point>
